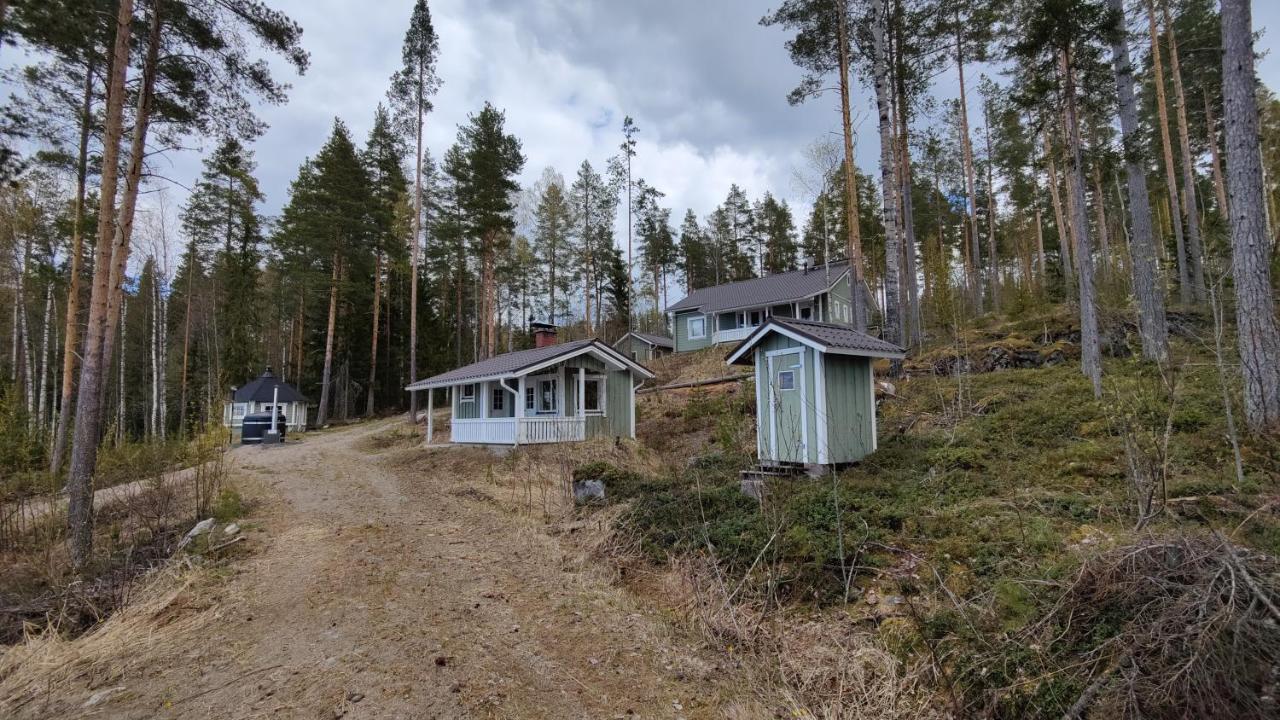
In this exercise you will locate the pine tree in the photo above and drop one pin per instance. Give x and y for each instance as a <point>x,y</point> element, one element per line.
<point>593,205</point>
<point>1259,333</point>
<point>552,248</point>
<point>388,193</point>
<point>657,243</point>
<point>696,260</point>
<point>411,90</point>
<point>774,224</point>
<point>485,197</point>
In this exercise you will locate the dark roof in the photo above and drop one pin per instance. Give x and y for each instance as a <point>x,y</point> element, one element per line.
<point>512,363</point>
<point>837,338</point>
<point>661,341</point>
<point>768,290</point>
<point>262,388</point>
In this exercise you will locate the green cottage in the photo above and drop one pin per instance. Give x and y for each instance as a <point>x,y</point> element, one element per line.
<point>552,393</point>
<point>815,391</point>
<point>644,347</point>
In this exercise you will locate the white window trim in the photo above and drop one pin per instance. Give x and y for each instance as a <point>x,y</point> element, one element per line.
<point>601,395</point>
<point>702,321</point>
<point>462,392</point>
<point>497,401</point>
<point>536,381</point>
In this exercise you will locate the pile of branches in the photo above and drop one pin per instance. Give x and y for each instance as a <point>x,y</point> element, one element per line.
<point>1181,626</point>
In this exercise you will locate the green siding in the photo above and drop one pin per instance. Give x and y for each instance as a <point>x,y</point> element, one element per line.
<point>681,335</point>
<point>849,406</point>
<point>617,405</point>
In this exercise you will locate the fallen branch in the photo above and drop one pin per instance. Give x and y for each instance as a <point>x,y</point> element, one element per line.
<point>697,383</point>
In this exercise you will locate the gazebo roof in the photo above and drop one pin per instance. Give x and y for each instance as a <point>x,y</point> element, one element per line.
<point>262,389</point>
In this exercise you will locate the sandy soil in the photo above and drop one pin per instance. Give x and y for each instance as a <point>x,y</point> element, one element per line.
<point>373,592</point>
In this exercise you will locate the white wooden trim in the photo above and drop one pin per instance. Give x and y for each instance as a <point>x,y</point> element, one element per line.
<point>820,406</point>
<point>760,386</point>
<point>689,330</point>
<point>632,383</point>
<point>582,392</point>
<point>431,395</point>
<point>520,384</point>
<point>871,380</point>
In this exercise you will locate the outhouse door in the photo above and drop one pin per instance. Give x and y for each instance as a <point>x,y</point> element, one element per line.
<point>786,406</point>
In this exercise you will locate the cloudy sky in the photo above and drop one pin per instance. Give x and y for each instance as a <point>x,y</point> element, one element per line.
<point>704,81</point>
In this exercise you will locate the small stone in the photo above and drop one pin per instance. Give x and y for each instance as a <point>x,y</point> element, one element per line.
<point>98,697</point>
<point>231,529</point>
<point>354,697</point>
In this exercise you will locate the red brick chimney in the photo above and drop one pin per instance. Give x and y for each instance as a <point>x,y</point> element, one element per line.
<point>544,334</point>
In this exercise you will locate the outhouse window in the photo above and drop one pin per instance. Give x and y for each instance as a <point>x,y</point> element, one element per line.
<point>697,328</point>
<point>787,380</point>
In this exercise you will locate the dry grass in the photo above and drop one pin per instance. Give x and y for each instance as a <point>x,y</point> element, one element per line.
<point>163,610</point>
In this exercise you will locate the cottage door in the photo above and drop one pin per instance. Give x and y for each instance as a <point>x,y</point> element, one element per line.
<point>786,408</point>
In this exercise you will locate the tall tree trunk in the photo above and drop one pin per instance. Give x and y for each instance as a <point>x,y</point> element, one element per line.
<point>1152,326</point>
<point>1259,333</point>
<point>186,340</point>
<point>1195,245</point>
<point>371,393</point>
<point>84,451</point>
<point>1059,217</point>
<point>1090,349</point>
<point>1170,175</point>
<point>123,233</point>
<point>413,249</point>
<point>43,405</point>
<point>121,395</point>
<point>854,239</point>
<point>888,180</point>
<point>1211,133</point>
<point>1104,236</point>
<point>910,245</point>
<point>322,414</point>
<point>72,328</point>
<point>971,194</point>
<point>993,259</point>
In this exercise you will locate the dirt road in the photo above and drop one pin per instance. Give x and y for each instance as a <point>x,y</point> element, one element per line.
<point>378,593</point>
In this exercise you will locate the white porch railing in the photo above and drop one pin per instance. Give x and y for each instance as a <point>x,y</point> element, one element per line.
<point>485,431</point>
<point>734,335</point>
<point>552,429</point>
<point>518,431</point>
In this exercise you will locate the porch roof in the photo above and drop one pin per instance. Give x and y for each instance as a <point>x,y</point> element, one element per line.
<point>523,362</point>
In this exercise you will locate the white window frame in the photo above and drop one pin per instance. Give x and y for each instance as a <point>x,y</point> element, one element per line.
<point>463,396</point>
<point>538,407</point>
<point>498,401</point>
<point>702,323</point>
<point>530,398</point>
<point>601,397</point>
<point>242,407</point>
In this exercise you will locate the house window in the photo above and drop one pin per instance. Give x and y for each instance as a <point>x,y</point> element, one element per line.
<point>593,395</point>
<point>468,393</point>
<point>548,400</point>
<point>787,380</point>
<point>529,396</point>
<point>755,318</point>
<point>499,399</point>
<point>238,409</point>
<point>697,328</point>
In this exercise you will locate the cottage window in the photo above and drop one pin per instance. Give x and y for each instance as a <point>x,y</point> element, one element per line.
<point>238,409</point>
<point>468,393</point>
<point>499,399</point>
<point>547,396</point>
<point>697,328</point>
<point>593,395</point>
<point>755,318</point>
<point>529,396</point>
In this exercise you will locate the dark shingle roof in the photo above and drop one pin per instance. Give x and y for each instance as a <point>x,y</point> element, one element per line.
<point>768,290</point>
<point>261,389</point>
<point>829,336</point>
<point>512,363</point>
<point>661,341</point>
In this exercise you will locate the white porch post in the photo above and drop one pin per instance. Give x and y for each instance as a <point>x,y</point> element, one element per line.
<point>582,392</point>
<point>520,399</point>
<point>431,396</point>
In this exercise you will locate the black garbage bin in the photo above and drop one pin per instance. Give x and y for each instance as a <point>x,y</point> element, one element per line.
<point>257,425</point>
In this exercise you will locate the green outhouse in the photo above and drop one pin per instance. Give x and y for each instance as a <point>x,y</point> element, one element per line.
<point>815,391</point>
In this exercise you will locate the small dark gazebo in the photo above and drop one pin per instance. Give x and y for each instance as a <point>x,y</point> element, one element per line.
<point>261,395</point>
